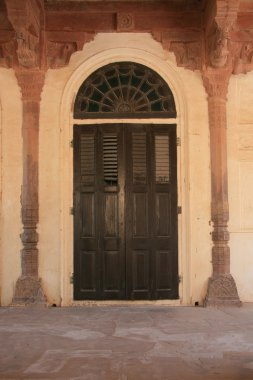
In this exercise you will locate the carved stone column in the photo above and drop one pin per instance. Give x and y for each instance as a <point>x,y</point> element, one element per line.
<point>28,287</point>
<point>221,287</point>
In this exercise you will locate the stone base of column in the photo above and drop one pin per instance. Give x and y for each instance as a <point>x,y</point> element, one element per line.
<point>28,292</point>
<point>222,291</point>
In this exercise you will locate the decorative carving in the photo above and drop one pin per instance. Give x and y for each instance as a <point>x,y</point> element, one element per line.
<point>125,22</point>
<point>28,291</point>
<point>28,47</point>
<point>188,54</point>
<point>25,18</point>
<point>244,61</point>
<point>221,287</point>
<point>31,84</point>
<point>220,211</point>
<point>216,82</point>
<point>222,291</point>
<point>28,287</point>
<point>58,54</point>
<point>218,48</point>
<point>247,53</point>
<point>8,54</point>
<point>221,19</point>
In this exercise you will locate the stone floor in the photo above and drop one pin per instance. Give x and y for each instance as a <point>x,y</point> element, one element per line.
<point>126,343</point>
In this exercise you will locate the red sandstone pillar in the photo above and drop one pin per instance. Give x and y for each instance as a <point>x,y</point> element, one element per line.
<point>221,286</point>
<point>28,287</point>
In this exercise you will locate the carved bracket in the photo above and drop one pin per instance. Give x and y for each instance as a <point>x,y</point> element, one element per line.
<point>59,53</point>
<point>188,51</point>
<point>243,61</point>
<point>25,18</point>
<point>188,54</point>
<point>218,33</point>
<point>218,47</point>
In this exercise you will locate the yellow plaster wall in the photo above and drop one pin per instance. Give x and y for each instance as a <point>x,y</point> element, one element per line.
<point>56,163</point>
<point>11,178</point>
<point>240,176</point>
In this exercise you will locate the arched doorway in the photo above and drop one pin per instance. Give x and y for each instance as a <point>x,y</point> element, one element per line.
<point>125,187</point>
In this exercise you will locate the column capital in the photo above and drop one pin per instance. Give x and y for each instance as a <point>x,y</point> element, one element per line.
<point>216,82</point>
<point>31,83</point>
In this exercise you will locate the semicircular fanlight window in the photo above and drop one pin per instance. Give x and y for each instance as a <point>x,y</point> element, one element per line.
<point>124,89</point>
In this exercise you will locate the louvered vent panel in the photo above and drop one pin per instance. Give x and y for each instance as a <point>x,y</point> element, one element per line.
<point>87,157</point>
<point>162,158</point>
<point>139,157</point>
<point>110,156</point>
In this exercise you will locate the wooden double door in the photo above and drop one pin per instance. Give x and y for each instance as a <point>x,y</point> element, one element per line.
<point>125,219</point>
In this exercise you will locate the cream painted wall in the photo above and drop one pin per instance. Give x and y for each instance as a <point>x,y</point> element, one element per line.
<point>56,162</point>
<point>240,175</point>
<point>11,177</point>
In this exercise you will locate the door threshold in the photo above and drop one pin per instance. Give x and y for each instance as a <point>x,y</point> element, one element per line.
<point>127,303</point>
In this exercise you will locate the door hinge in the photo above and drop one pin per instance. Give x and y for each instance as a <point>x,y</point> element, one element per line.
<point>178,141</point>
<point>71,278</point>
<point>71,144</point>
<point>72,211</point>
<point>180,278</point>
<point>179,210</point>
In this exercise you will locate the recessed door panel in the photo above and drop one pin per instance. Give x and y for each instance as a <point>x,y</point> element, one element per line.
<point>163,214</point>
<point>87,212</point>
<point>164,266</point>
<point>88,265</point>
<point>111,215</point>
<point>111,271</point>
<point>140,274</point>
<point>140,215</point>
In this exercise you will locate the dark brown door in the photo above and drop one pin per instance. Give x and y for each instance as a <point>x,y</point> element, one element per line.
<point>125,222</point>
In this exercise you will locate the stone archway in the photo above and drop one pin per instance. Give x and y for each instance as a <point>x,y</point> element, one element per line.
<point>92,64</point>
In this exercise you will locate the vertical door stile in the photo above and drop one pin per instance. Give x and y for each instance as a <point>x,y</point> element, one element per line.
<point>174,226</point>
<point>152,210</point>
<point>121,209</point>
<point>99,207</point>
<point>128,211</point>
<point>76,204</point>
